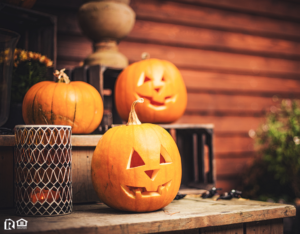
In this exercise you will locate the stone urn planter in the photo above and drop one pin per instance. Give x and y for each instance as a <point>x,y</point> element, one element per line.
<point>106,22</point>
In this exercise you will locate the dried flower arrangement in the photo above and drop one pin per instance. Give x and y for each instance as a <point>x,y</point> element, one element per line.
<point>29,68</point>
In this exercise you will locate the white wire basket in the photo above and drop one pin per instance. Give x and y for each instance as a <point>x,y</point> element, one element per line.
<point>43,178</point>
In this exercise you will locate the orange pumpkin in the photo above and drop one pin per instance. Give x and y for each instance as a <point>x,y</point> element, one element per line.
<point>77,104</point>
<point>160,83</point>
<point>136,167</point>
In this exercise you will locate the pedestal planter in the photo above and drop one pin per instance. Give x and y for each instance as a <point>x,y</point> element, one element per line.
<point>106,23</point>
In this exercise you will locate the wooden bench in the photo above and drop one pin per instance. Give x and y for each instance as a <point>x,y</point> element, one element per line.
<point>189,215</point>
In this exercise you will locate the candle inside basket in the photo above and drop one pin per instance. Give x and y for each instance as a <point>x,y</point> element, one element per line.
<point>44,195</point>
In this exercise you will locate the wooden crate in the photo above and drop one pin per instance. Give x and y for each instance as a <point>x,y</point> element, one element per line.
<point>198,169</point>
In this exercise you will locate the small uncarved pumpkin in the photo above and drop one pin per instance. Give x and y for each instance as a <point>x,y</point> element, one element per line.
<point>77,104</point>
<point>160,83</point>
<point>136,167</point>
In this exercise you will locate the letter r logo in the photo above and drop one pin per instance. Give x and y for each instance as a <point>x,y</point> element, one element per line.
<point>9,224</point>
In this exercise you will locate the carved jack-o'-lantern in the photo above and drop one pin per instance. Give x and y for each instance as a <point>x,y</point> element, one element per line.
<point>136,167</point>
<point>160,83</point>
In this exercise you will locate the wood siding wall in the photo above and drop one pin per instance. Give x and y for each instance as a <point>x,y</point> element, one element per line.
<point>235,57</point>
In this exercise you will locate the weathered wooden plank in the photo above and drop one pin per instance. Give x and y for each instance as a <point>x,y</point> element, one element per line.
<point>270,226</point>
<point>7,140</point>
<point>76,140</point>
<point>77,47</point>
<point>85,140</point>
<point>189,231</point>
<point>211,39</point>
<point>234,144</point>
<point>228,229</point>
<point>223,143</point>
<point>227,183</point>
<point>202,16</point>
<point>209,80</point>
<point>187,126</point>
<point>212,60</point>
<point>282,9</point>
<point>184,214</point>
<point>198,59</point>
<point>83,190</point>
<point>232,166</point>
<point>225,124</point>
<point>214,82</point>
<point>6,177</point>
<point>214,103</point>
<point>187,36</point>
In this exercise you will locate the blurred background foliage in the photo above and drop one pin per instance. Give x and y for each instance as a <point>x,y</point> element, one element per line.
<point>275,173</point>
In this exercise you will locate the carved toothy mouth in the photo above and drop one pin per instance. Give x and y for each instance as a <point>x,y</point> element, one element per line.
<point>142,191</point>
<point>158,105</point>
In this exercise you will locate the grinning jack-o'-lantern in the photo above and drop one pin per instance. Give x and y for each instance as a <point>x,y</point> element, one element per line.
<point>136,167</point>
<point>160,83</point>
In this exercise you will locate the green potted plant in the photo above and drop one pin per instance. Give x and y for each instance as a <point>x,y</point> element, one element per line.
<point>275,172</point>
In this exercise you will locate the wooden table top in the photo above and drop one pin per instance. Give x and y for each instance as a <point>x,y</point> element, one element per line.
<point>92,140</point>
<point>187,213</point>
<point>77,140</point>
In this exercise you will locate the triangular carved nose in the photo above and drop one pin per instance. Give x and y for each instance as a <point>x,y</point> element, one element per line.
<point>152,173</point>
<point>157,89</point>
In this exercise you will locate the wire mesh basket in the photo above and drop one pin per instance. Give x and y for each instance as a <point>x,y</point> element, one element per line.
<point>43,179</point>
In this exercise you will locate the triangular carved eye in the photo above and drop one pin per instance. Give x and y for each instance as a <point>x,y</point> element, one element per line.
<point>146,79</point>
<point>162,159</point>
<point>143,79</point>
<point>136,160</point>
<point>164,156</point>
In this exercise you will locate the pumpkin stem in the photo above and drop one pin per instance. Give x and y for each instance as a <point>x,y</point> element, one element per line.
<point>145,56</point>
<point>133,119</point>
<point>62,76</point>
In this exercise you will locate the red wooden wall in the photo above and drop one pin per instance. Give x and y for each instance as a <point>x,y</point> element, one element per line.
<point>235,57</point>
